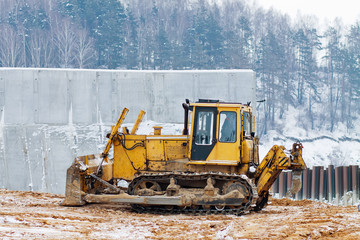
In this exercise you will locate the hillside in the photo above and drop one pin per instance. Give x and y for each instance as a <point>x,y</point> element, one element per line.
<point>321,146</point>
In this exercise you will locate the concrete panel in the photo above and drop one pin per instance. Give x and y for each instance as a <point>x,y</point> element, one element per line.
<point>177,89</point>
<point>19,97</point>
<point>60,156</point>
<point>104,93</point>
<point>82,96</point>
<point>52,100</point>
<point>133,93</point>
<point>3,162</point>
<point>17,159</point>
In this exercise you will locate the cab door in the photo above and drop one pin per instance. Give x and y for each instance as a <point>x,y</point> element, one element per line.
<point>204,132</point>
<point>228,135</point>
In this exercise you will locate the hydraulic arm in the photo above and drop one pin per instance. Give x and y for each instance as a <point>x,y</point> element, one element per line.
<point>274,162</point>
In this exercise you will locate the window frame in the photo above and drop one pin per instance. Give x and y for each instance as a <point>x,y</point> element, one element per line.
<point>221,126</point>
<point>211,127</point>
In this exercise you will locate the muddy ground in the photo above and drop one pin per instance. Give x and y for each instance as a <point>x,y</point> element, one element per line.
<point>33,215</point>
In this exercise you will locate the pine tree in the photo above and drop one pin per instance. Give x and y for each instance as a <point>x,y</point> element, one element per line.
<point>306,41</point>
<point>269,66</point>
<point>193,50</point>
<point>334,57</point>
<point>353,72</point>
<point>238,47</point>
<point>106,21</point>
<point>213,42</point>
<point>132,44</point>
<point>163,58</point>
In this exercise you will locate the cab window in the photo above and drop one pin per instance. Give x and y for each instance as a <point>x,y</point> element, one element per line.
<point>227,127</point>
<point>204,128</point>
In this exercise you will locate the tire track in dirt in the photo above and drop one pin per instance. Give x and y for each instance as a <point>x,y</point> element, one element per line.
<point>34,215</point>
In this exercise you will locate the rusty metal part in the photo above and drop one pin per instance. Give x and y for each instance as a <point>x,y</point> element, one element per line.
<point>355,187</point>
<point>73,193</point>
<point>184,200</point>
<point>337,184</point>
<point>209,189</point>
<point>80,174</point>
<point>261,202</point>
<point>172,189</point>
<point>204,195</point>
<point>295,183</point>
<point>305,174</point>
<point>281,185</point>
<point>126,198</point>
<point>147,188</point>
<point>112,188</point>
<point>236,186</point>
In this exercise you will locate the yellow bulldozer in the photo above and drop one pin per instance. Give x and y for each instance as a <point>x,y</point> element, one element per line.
<point>213,167</point>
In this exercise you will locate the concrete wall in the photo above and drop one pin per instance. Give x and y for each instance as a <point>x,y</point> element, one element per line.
<point>48,116</point>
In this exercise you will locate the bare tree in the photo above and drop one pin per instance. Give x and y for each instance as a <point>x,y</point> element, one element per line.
<point>5,7</point>
<point>65,42</point>
<point>84,49</point>
<point>35,48</point>
<point>40,49</point>
<point>48,52</point>
<point>10,47</point>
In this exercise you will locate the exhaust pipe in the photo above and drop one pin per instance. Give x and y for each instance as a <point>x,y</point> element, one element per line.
<point>186,118</point>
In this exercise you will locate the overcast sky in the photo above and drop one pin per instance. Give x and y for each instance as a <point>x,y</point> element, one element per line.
<point>348,10</point>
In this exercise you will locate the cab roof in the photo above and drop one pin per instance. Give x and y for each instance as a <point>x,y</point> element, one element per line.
<point>219,103</point>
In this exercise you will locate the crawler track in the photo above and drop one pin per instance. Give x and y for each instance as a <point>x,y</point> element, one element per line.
<point>196,180</point>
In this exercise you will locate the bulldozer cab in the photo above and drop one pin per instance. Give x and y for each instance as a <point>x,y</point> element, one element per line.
<point>218,130</point>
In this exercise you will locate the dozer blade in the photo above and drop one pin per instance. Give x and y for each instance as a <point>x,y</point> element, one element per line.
<point>73,193</point>
<point>295,183</point>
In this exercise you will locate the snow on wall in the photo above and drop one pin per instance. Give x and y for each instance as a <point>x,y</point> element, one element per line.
<point>49,116</point>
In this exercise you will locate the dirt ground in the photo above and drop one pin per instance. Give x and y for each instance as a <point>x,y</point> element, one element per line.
<point>34,215</point>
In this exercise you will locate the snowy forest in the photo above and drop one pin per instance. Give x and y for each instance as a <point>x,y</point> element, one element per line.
<point>300,66</point>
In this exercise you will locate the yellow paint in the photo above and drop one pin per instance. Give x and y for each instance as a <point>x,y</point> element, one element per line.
<point>137,122</point>
<point>175,149</point>
<point>128,162</point>
<point>227,150</point>
<point>247,149</point>
<point>150,156</point>
<point>157,130</point>
<point>155,149</point>
<point>274,162</point>
<point>114,131</point>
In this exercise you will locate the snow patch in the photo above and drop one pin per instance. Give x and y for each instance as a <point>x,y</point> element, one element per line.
<point>8,220</point>
<point>224,234</point>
